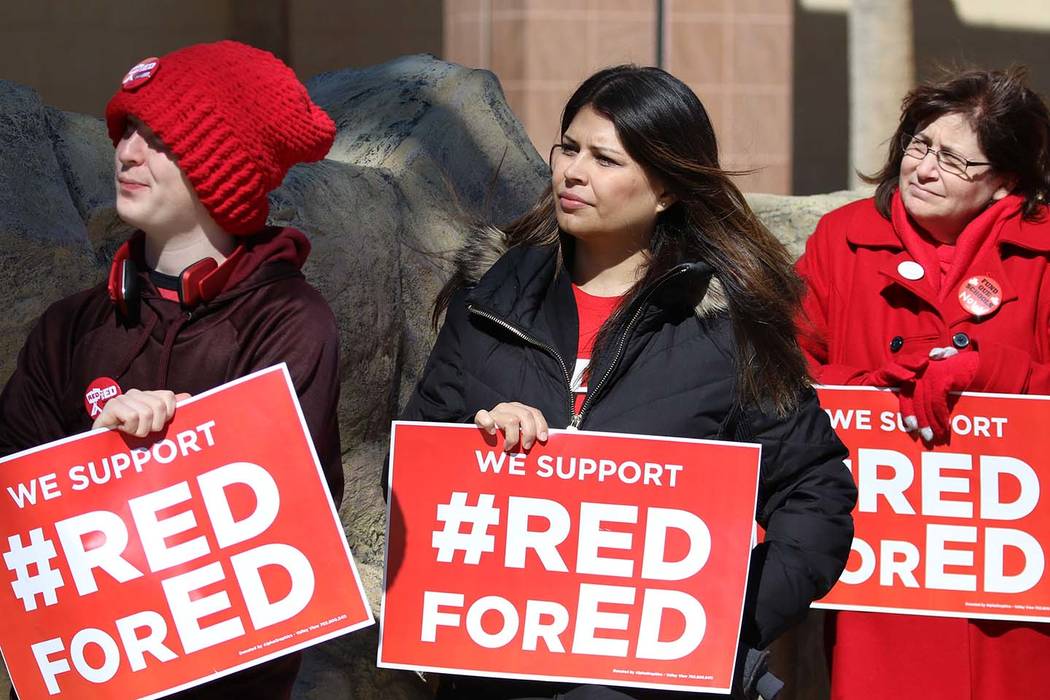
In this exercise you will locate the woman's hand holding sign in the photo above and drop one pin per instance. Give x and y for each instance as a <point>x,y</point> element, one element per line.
<point>516,420</point>
<point>924,405</point>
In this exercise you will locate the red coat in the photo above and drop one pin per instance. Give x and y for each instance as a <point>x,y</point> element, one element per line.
<point>860,312</point>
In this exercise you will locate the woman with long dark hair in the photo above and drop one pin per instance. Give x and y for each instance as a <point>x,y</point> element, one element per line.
<point>642,295</point>
<point>940,283</point>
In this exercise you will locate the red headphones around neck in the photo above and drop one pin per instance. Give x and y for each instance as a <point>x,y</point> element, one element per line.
<point>125,286</point>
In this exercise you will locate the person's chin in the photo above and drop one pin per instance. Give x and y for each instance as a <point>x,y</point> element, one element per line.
<point>919,206</point>
<point>577,231</point>
<point>572,223</point>
<point>131,215</point>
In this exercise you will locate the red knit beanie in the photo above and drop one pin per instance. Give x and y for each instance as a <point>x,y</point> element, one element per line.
<point>236,119</point>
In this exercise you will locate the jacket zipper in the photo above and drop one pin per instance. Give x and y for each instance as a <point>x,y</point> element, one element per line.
<point>577,418</point>
<point>550,350</point>
<point>588,400</point>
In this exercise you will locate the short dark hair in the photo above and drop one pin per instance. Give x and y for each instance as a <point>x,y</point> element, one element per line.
<point>1011,122</point>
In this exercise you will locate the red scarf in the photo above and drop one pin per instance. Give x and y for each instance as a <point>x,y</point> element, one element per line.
<point>979,235</point>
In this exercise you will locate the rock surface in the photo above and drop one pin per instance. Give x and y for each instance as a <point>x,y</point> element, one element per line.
<point>423,147</point>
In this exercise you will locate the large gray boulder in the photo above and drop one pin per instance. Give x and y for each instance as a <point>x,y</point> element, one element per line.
<point>792,219</point>
<point>423,148</point>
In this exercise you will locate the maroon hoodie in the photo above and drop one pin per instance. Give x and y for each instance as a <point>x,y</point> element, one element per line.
<point>259,311</point>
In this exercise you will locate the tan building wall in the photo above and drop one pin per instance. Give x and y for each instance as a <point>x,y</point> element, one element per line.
<point>772,73</point>
<point>735,55</point>
<point>328,35</point>
<point>541,50</point>
<point>74,52</point>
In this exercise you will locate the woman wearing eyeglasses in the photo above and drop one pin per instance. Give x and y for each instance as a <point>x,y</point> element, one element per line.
<point>940,283</point>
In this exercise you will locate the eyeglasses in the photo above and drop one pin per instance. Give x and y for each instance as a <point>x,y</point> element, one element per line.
<point>949,162</point>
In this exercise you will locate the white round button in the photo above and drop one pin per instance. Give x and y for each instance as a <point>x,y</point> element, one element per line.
<point>911,270</point>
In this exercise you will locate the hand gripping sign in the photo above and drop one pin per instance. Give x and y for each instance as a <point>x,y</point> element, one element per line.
<point>956,530</point>
<point>613,559</point>
<point>157,564</point>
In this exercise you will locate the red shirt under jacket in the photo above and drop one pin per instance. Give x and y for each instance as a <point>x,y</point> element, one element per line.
<point>593,311</point>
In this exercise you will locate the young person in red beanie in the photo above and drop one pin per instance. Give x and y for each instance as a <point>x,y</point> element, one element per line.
<point>204,292</point>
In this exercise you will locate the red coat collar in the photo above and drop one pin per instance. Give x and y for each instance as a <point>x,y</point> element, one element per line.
<point>869,229</point>
<point>1030,235</point>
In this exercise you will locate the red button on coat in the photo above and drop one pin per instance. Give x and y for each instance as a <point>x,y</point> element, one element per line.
<point>980,295</point>
<point>98,394</point>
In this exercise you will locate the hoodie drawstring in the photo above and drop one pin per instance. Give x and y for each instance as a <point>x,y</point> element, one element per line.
<point>135,349</point>
<point>165,356</point>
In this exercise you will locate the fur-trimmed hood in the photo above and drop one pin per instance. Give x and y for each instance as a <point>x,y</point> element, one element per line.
<point>485,245</point>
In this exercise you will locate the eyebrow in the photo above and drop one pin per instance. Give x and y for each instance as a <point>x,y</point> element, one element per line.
<point>601,150</point>
<point>946,147</point>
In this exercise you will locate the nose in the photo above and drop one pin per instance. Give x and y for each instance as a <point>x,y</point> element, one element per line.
<point>928,169</point>
<point>574,171</point>
<point>131,149</point>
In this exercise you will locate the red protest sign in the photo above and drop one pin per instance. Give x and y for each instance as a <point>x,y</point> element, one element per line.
<point>613,559</point>
<point>156,564</point>
<point>954,530</point>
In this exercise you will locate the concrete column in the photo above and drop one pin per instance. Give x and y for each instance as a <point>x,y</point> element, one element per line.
<point>881,71</point>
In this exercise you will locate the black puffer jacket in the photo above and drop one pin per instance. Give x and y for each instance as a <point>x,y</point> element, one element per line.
<point>671,371</point>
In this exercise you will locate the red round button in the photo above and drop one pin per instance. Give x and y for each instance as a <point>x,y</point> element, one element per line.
<point>98,394</point>
<point>140,73</point>
<point>980,295</point>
